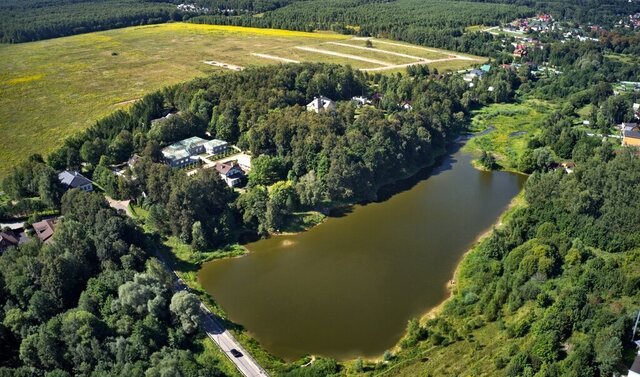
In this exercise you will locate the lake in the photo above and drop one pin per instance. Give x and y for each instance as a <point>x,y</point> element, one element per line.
<point>347,287</point>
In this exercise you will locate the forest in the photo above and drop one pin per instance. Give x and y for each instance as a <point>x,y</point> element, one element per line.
<point>307,161</point>
<point>95,302</point>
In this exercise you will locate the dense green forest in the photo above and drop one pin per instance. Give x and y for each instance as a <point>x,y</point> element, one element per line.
<point>93,302</point>
<point>32,20</point>
<point>427,22</point>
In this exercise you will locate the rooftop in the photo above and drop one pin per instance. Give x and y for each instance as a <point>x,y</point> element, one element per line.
<point>73,179</point>
<point>180,149</point>
<point>44,229</point>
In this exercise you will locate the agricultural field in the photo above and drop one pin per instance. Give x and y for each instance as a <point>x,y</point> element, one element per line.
<point>51,89</point>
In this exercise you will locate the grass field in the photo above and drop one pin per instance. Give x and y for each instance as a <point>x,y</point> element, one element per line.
<point>54,88</point>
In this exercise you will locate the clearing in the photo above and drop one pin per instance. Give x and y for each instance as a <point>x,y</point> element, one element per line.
<point>54,88</point>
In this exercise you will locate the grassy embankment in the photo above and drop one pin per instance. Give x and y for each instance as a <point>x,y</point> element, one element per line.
<point>52,89</point>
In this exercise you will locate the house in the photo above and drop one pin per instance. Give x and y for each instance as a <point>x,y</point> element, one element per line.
<point>8,238</point>
<point>45,229</point>
<point>361,101</point>
<point>133,160</point>
<point>321,105</point>
<point>216,146</point>
<point>520,51</point>
<point>185,152</point>
<point>244,160</point>
<point>473,74</point>
<point>406,105</point>
<point>631,135</point>
<point>230,172</point>
<point>568,167</point>
<point>154,121</point>
<point>73,179</point>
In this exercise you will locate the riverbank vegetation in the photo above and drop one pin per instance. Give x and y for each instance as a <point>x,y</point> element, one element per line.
<point>554,289</point>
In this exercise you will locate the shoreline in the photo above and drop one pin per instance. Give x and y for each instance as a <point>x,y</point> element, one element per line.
<point>413,177</point>
<point>453,283</point>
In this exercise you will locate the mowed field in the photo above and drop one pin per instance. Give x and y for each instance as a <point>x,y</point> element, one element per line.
<point>51,89</point>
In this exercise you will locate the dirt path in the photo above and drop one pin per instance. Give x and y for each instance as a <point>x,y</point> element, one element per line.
<point>406,65</point>
<point>266,56</point>
<point>126,102</point>
<point>457,56</point>
<point>224,65</point>
<point>419,58</point>
<point>341,55</point>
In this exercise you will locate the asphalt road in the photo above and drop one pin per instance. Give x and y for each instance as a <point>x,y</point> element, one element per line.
<point>216,331</point>
<point>210,323</point>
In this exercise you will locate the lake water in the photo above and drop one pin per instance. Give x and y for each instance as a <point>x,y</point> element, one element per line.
<point>347,287</point>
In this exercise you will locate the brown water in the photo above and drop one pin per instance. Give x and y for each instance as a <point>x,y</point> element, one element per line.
<point>347,287</point>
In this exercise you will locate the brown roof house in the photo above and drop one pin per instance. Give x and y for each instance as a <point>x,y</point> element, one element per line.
<point>230,172</point>
<point>631,134</point>
<point>8,238</point>
<point>44,229</point>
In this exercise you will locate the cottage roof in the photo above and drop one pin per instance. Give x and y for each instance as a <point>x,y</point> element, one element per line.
<point>44,229</point>
<point>632,132</point>
<point>8,238</point>
<point>224,168</point>
<point>182,149</point>
<point>320,102</point>
<point>73,179</point>
<point>215,143</point>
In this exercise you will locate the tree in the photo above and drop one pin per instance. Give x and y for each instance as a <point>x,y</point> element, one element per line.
<point>487,160</point>
<point>92,151</point>
<point>198,239</point>
<point>185,306</point>
<point>266,170</point>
